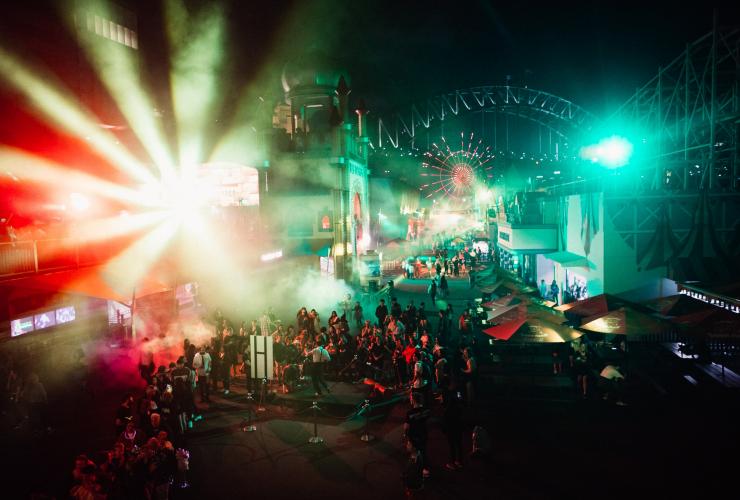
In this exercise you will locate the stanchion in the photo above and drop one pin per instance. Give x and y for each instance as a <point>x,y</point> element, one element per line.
<point>261,408</point>
<point>248,425</point>
<point>366,436</point>
<point>315,439</point>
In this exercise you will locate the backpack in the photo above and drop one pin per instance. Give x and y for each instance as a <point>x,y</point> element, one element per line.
<point>481,442</point>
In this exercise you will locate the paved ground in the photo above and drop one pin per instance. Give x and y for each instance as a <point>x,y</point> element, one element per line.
<point>674,439</point>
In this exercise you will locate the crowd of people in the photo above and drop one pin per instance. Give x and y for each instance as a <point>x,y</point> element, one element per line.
<point>148,433</point>
<point>395,346</point>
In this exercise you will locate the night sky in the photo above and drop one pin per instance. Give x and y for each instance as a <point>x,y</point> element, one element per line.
<point>595,53</point>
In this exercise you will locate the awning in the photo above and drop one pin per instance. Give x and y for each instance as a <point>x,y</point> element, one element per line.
<point>569,259</point>
<point>498,311</point>
<point>504,331</point>
<point>532,331</point>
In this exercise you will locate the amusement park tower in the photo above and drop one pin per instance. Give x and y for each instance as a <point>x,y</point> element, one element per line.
<point>318,181</point>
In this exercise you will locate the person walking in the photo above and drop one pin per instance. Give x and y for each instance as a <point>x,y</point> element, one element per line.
<point>320,357</point>
<point>444,286</point>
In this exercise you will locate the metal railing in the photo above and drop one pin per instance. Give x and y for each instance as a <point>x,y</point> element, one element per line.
<point>35,256</point>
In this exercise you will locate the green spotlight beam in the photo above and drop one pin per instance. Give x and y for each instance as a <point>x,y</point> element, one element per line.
<point>117,66</point>
<point>198,53</point>
<point>68,115</point>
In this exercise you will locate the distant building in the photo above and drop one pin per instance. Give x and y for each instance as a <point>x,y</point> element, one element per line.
<point>316,187</point>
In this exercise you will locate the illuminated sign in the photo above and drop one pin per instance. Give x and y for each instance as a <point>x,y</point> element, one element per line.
<point>44,320</point>
<point>40,321</point>
<point>65,314</point>
<point>504,236</point>
<point>20,326</point>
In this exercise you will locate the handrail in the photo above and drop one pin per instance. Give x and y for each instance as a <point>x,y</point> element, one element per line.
<point>23,257</point>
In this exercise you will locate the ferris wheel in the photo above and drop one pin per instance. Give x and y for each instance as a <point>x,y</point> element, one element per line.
<point>455,172</point>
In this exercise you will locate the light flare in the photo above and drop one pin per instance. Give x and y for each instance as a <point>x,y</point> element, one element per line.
<point>61,110</point>
<point>117,67</point>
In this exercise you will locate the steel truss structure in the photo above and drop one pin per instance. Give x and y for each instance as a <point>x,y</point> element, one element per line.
<point>688,117</point>
<point>559,115</point>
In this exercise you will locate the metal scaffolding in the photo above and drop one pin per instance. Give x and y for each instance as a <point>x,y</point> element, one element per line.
<point>688,118</point>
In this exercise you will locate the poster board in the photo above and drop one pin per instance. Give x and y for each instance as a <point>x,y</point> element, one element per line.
<point>260,357</point>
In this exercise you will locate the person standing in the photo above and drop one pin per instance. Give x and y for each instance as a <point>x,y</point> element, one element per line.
<point>443,286</point>
<point>202,366</point>
<point>320,357</point>
<point>433,291</point>
<point>543,289</point>
<point>34,395</point>
<point>554,291</point>
<point>452,424</point>
<point>124,414</point>
<point>381,312</point>
<point>182,394</point>
<point>358,315</point>
<point>146,361</point>
<point>415,430</point>
<point>470,375</point>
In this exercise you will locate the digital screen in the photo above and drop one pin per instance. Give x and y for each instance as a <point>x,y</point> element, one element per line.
<point>20,326</point>
<point>44,320</point>
<point>65,314</point>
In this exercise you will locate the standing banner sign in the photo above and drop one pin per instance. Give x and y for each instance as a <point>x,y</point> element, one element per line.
<point>260,356</point>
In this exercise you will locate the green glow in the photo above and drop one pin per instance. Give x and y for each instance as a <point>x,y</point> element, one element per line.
<point>197,46</point>
<point>612,152</point>
<point>117,66</point>
<point>64,112</point>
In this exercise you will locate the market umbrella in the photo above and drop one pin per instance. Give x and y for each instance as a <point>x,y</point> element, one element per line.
<point>489,287</point>
<point>532,331</point>
<point>623,321</point>
<point>720,323</point>
<point>591,307</point>
<point>517,287</point>
<point>678,305</point>
<point>457,240</point>
<point>498,311</point>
